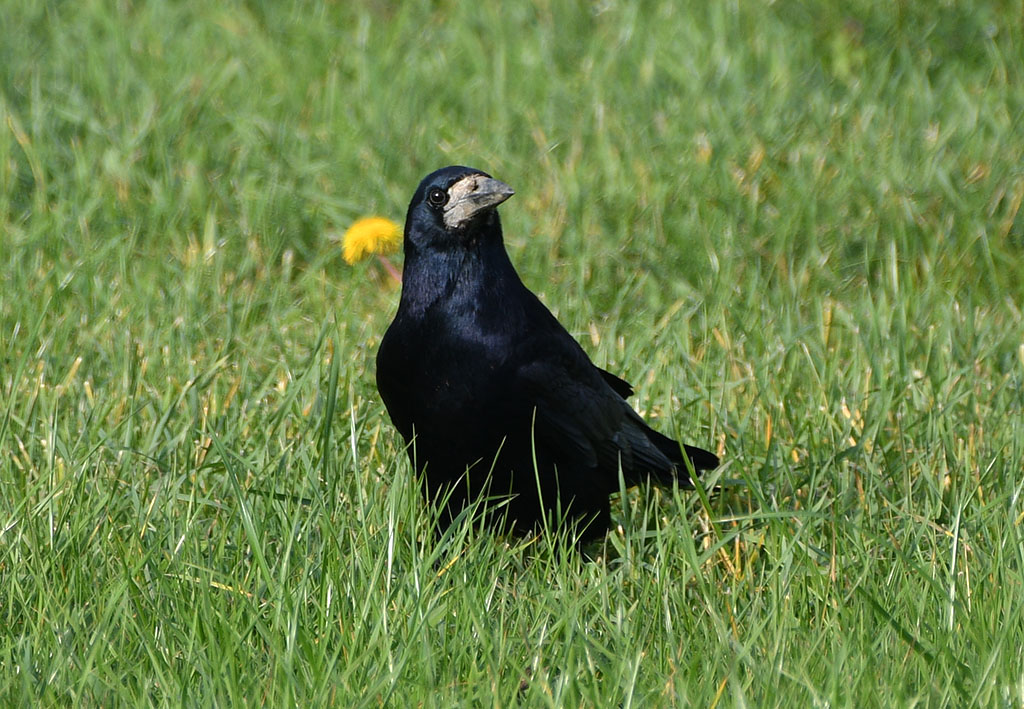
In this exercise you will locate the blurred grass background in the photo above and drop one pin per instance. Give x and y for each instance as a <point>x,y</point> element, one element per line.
<point>795,226</point>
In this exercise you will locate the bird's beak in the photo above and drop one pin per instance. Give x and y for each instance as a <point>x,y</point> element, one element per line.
<point>472,195</point>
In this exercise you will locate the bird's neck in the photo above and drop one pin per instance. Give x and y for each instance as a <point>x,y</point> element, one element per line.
<point>475,272</point>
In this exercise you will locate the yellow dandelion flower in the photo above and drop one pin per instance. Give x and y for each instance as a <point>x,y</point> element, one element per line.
<point>370,235</point>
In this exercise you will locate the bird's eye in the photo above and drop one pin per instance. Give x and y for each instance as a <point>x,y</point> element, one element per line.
<point>437,197</point>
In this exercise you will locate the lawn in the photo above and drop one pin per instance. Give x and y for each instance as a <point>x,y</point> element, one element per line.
<point>795,226</point>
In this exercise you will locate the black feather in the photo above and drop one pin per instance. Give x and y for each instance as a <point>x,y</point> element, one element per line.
<point>490,392</point>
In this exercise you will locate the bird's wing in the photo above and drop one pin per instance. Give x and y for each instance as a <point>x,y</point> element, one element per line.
<point>567,415</point>
<point>581,416</point>
<point>620,385</point>
<point>581,419</point>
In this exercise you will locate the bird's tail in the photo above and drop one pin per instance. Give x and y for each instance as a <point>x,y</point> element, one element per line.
<point>701,459</point>
<point>673,450</point>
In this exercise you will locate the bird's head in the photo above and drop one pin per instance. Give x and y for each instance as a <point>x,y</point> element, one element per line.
<point>451,203</point>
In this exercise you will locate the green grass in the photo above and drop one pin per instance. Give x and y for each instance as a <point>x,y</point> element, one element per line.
<point>795,226</point>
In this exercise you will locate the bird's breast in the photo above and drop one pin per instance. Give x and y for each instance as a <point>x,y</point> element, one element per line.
<point>442,372</point>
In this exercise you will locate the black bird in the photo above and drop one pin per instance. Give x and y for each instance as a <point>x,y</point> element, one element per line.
<point>490,392</point>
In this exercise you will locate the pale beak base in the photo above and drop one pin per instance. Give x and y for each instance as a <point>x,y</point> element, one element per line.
<point>472,195</point>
